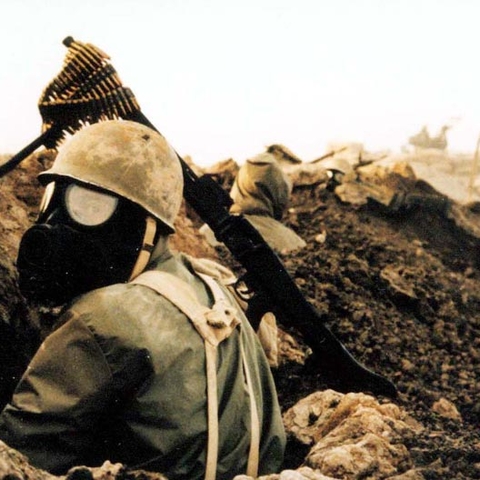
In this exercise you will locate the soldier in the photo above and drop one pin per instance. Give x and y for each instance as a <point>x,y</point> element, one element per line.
<point>152,364</point>
<point>261,192</point>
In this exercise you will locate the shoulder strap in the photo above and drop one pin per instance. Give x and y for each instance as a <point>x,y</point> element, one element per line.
<point>214,325</point>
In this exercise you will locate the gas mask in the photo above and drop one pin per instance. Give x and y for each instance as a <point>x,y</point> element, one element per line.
<point>84,238</point>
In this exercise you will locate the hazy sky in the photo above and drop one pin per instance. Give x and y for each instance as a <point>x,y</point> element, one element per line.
<point>224,78</point>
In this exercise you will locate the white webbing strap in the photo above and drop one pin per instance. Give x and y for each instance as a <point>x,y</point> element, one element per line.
<point>212,415</point>
<point>147,247</point>
<point>213,325</point>
<point>253,454</point>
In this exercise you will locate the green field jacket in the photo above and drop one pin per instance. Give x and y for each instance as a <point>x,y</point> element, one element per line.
<point>123,379</point>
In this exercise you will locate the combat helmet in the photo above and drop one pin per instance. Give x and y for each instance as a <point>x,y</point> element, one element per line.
<point>127,159</point>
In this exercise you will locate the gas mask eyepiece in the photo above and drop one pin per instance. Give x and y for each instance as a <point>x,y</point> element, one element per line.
<point>84,238</point>
<point>89,207</point>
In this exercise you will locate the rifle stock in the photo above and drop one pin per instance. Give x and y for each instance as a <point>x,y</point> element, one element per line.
<point>44,139</point>
<point>266,273</point>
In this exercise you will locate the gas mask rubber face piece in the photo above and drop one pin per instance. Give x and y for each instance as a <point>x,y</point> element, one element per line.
<point>84,238</point>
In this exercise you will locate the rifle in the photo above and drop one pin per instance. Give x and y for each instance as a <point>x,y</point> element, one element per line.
<point>87,90</point>
<point>329,154</point>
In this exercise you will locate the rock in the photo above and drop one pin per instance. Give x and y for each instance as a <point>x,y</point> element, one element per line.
<point>400,286</point>
<point>371,454</point>
<point>289,349</point>
<point>15,466</point>
<point>303,419</point>
<point>351,434</point>
<point>310,474</point>
<point>413,474</point>
<point>306,174</point>
<point>302,473</point>
<point>321,237</point>
<point>446,409</point>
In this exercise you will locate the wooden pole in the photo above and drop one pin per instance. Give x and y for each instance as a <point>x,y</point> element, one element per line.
<point>473,172</point>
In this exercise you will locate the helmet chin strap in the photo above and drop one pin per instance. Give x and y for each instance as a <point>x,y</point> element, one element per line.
<point>147,248</point>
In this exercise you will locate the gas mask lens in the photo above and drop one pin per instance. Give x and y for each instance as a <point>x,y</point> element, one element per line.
<point>89,207</point>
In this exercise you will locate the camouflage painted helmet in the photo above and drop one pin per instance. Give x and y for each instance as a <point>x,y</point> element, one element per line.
<point>127,159</point>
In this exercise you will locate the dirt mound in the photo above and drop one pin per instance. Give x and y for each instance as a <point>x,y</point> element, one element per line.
<point>400,289</point>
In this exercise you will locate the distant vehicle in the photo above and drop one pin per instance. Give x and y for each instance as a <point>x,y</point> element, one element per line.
<point>423,140</point>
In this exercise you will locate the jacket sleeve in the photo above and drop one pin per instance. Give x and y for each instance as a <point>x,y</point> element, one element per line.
<point>59,402</point>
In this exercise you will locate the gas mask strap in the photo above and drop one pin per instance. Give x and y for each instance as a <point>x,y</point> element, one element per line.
<point>147,248</point>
